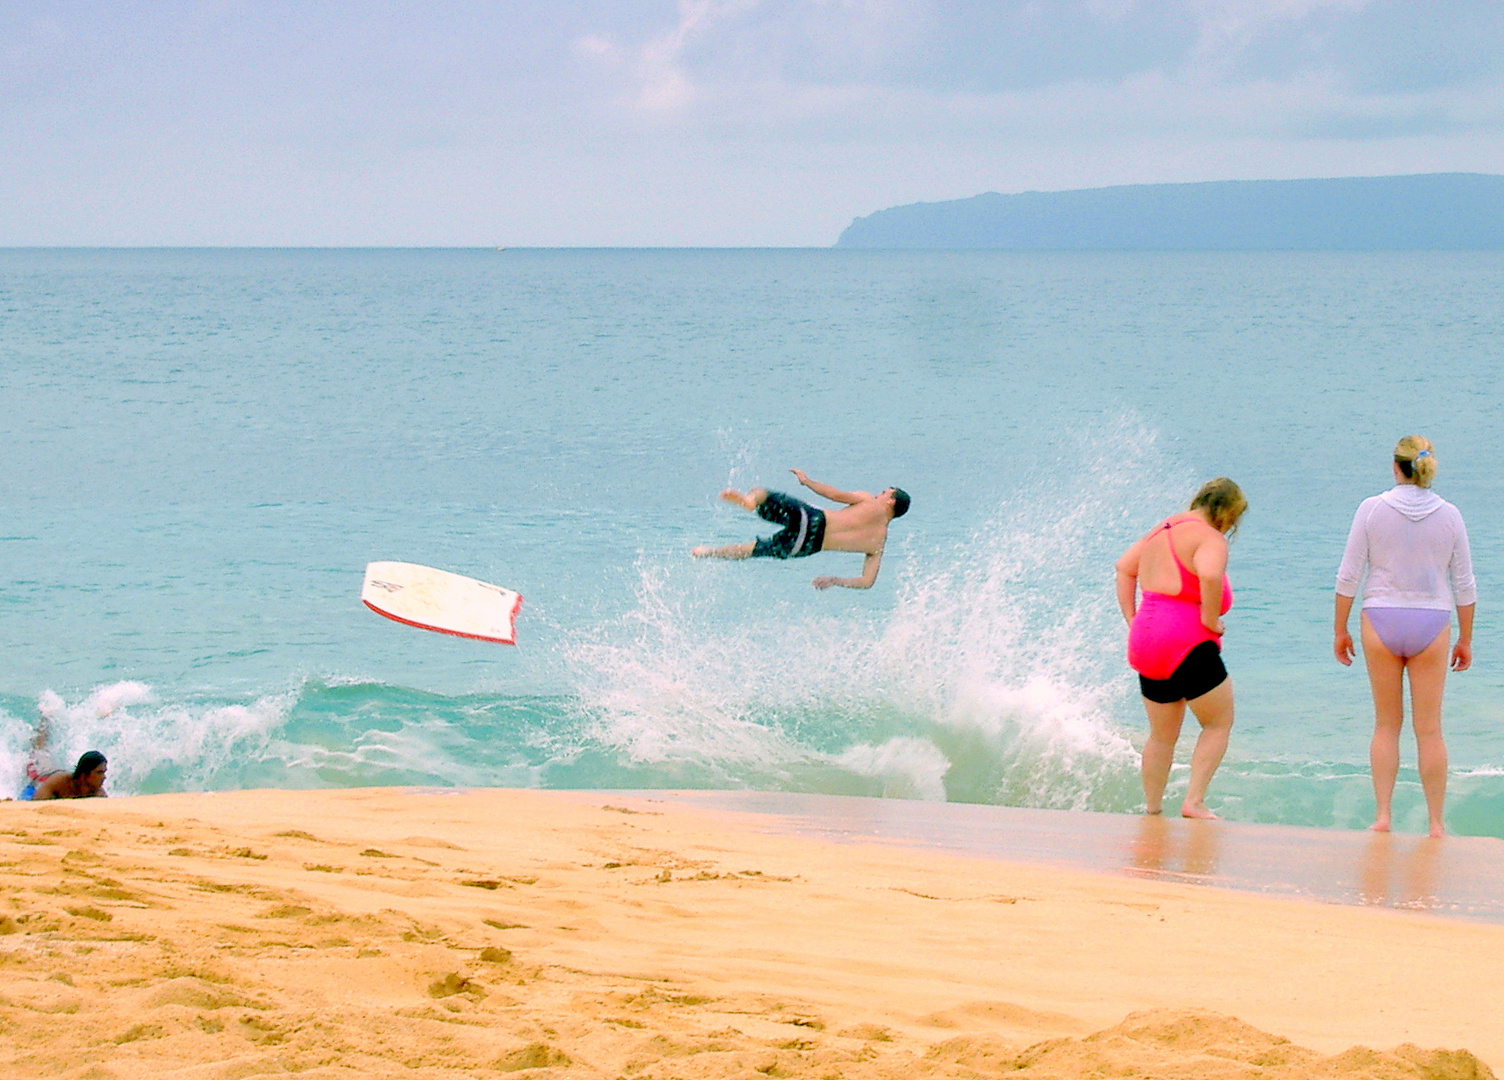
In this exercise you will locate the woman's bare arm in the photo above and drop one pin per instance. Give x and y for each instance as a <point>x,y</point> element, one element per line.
<point>1210,563</point>
<point>1127,569</point>
<point>1462,652</point>
<point>1342,639</point>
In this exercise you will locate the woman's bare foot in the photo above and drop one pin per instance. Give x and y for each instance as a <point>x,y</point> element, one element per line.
<point>1151,813</point>
<point>1198,811</point>
<point>736,498</point>
<point>702,551</point>
<point>1379,825</point>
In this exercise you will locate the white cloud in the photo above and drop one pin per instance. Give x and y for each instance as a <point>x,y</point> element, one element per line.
<point>720,49</point>
<point>659,78</point>
<point>1229,28</point>
<point>847,69</point>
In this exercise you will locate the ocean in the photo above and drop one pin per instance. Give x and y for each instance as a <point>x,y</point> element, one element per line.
<point>203,448</point>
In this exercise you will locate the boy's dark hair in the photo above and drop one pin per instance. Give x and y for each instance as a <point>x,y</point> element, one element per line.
<point>88,763</point>
<point>900,502</point>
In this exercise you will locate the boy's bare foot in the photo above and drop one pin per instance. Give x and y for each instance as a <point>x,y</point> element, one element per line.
<point>1198,811</point>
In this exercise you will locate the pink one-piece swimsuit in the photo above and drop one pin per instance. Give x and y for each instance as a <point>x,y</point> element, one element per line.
<point>1167,627</point>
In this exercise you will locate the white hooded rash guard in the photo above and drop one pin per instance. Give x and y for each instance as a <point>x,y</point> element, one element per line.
<point>1411,541</point>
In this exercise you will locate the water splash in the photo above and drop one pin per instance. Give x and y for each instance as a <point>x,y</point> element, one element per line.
<point>994,678</point>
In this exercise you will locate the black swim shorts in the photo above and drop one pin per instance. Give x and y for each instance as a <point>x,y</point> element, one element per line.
<point>1201,671</point>
<point>803,529</point>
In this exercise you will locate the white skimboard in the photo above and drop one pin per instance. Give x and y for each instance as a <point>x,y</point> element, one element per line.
<point>438,600</point>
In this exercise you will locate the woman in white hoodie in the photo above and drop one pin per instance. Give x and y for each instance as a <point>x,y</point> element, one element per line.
<point>1413,545</point>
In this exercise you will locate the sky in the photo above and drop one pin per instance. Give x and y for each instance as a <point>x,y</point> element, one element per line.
<point>697,122</point>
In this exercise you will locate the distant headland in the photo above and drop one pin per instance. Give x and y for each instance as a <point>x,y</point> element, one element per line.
<point>1433,212</point>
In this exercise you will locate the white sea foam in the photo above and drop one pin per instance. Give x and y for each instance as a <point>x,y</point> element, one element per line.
<point>142,736</point>
<point>908,768</point>
<point>675,690</point>
<point>314,734</point>
<point>415,752</point>
<point>61,732</point>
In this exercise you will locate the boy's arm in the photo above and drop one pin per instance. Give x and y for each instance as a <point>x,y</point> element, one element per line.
<point>870,566</point>
<point>825,491</point>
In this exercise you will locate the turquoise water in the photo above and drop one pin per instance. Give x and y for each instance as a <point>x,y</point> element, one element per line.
<point>202,450</point>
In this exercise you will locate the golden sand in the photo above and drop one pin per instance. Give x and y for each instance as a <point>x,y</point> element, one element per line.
<point>385,933</point>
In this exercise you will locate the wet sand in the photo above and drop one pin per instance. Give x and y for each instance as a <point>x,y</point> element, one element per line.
<point>422,934</point>
<point>1460,876</point>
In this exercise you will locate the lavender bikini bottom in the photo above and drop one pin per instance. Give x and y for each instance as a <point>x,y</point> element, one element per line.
<point>1406,631</point>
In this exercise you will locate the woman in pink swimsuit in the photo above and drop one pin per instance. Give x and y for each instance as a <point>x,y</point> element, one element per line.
<point>1174,637</point>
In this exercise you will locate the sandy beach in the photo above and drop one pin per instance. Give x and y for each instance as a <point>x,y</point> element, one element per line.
<point>395,932</point>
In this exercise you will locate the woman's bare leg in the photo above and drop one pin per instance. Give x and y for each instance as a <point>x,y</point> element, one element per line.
<point>1213,710</point>
<point>1159,750</point>
<point>1428,676</point>
<point>1386,673</point>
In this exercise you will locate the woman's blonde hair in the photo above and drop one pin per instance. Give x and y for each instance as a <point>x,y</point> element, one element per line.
<point>1416,461</point>
<point>1223,502</point>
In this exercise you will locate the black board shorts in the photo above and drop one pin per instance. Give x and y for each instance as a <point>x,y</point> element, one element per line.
<point>1200,672</point>
<point>803,530</point>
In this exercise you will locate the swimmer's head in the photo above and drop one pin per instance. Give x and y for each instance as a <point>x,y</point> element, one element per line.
<point>1416,460</point>
<point>91,769</point>
<point>900,502</point>
<point>1223,502</point>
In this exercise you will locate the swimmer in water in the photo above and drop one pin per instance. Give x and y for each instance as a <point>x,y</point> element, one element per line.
<point>86,781</point>
<point>859,526</point>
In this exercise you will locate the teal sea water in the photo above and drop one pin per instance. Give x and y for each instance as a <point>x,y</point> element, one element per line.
<point>202,449</point>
